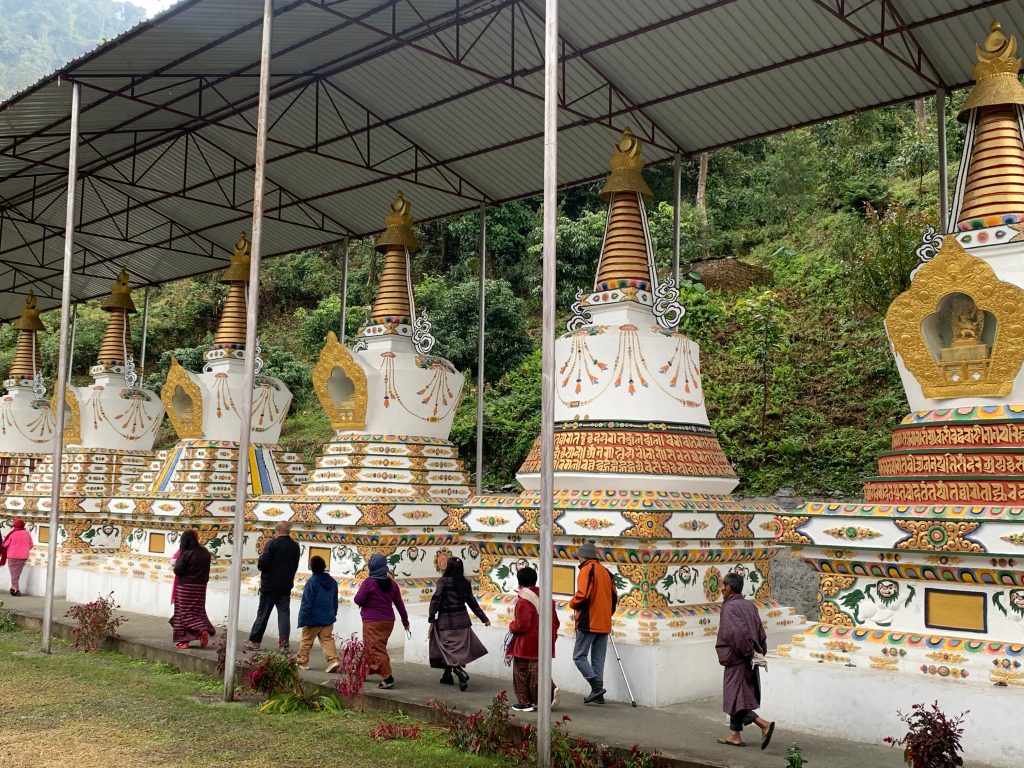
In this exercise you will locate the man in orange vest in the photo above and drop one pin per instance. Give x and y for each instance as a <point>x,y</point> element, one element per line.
<point>594,604</point>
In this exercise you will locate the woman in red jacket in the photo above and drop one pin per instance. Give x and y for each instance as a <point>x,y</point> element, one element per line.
<point>16,549</point>
<point>523,648</point>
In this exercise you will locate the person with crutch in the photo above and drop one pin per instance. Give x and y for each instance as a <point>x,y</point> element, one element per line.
<point>594,603</point>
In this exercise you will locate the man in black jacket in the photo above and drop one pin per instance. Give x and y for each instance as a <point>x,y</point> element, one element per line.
<point>277,564</point>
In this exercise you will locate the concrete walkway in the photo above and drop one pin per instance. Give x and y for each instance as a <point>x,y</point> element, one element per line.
<point>683,733</point>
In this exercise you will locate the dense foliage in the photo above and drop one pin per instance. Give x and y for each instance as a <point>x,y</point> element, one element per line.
<point>39,36</point>
<point>799,380</point>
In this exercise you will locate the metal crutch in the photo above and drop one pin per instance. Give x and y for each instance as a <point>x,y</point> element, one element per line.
<point>622,669</point>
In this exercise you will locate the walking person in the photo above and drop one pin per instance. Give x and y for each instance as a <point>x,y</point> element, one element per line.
<point>525,644</point>
<point>741,644</point>
<point>277,565</point>
<point>192,575</point>
<point>378,597</point>
<point>453,644</point>
<point>594,603</point>
<point>16,548</point>
<point>318,611</point>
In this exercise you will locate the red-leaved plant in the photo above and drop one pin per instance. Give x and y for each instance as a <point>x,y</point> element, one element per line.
<point>932,739</point>
<point>493,732</point>
<point>270,672</point>
<point>96,622</point>
<point>354,667</point>
<point>386,731</point>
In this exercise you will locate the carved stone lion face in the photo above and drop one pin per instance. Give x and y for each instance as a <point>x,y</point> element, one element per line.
<point>888,588</point>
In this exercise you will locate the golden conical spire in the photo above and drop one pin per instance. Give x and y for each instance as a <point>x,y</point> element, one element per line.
<point>995,73</point>
<point>625,258</point>
<point>117,338</point>
<point>994,185</point>
<point>393,303</point>
<point>27,350</point>
<point>231,326</point>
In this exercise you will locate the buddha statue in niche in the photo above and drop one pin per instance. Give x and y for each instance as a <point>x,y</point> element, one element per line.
<point>964,354</point>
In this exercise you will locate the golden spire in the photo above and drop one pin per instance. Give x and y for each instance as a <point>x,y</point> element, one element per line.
<point>625,260</point>
<point>28,342</point>
<point>231,326</point>
<point>393,302</point>
<point>994,186</point>
<point>995,72</point>
<point>117,339</point>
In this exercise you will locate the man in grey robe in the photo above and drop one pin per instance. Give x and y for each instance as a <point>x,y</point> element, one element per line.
<point>741,638</point>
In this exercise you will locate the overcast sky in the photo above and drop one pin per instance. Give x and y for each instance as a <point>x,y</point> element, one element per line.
<point>153,7</point>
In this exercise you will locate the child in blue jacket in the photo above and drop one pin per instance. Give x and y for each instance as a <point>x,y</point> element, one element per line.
<point>317,613</point>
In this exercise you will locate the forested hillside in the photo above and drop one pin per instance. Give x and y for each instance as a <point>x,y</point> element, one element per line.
<point>799,380</point>
<point>39,36</point>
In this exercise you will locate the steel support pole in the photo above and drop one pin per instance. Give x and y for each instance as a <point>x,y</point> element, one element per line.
<point>249,377</point>
<point>145,334</point>
<point>940,125</point>
<point>344,291</point>
<point>481,331</point>
<point>677,199</point>
<point>62,371</point>
<point>547,417</point>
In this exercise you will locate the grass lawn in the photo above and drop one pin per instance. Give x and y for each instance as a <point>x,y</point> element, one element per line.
<point>75,710</point>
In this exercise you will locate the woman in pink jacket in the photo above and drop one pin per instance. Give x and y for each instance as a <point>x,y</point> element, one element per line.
<point>16,549</point>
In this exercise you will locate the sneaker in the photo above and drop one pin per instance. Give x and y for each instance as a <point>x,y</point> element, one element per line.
<point>524,708</point>
<point>250,646</point>
<point>554,698</point>
<point>333,667</point>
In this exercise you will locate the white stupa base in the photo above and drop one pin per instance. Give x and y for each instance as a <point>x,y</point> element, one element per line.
<point>153,598</point>
<point>660,674</point>
<point>861,704</point>
<point>33,580</point>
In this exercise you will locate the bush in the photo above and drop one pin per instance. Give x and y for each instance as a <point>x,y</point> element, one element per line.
<point>932,739</point>
<point>355,666</point>
<point>270,672</point>
<point>96,622</point>
<point>276,676</point>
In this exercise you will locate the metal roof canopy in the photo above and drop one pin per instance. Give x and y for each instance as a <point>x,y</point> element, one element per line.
<point>441,99</point>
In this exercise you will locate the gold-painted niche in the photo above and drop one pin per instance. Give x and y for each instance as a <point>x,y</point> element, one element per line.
<point>183,401</point>
<point>340,385</point>
<point>958,328</point>
<point>72,416</point>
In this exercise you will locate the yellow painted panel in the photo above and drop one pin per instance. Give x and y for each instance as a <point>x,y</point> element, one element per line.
<point>948,609</point>
<point>157,543</point>
<point>563,579</point>
<point>43,534</point>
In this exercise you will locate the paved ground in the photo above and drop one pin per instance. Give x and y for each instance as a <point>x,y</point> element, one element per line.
<point>685,732</point>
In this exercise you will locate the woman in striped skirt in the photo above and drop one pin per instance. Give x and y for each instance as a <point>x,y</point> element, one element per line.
<point>192,569</point>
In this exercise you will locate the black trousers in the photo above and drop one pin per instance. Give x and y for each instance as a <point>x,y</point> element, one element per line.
<point>268,602</point>
<point>741,718</point>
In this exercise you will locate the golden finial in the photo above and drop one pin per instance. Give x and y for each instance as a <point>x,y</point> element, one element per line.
<point>120,295</point>
<point>29,320</point>
<point>995,72</point>
<point>238,272</point>
<point>627,164</point>
<point>398,227</point>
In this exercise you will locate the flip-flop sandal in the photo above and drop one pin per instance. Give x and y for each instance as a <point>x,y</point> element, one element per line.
<point>731,743</point>
<point>182,646</point>
<point>385,685</point>
<point>768,736</point>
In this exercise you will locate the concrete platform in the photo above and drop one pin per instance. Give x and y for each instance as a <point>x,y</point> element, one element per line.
<point>684,733</point>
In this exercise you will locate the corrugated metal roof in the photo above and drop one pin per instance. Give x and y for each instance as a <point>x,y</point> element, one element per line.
<point>439,98</point>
